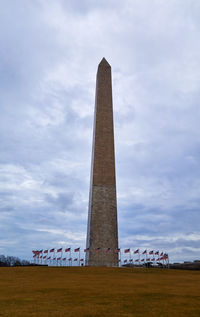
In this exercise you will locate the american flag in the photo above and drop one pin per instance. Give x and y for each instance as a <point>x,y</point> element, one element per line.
<point>54,259</point>
<point>77,249</point>
<point>36,252</point>
<point>125,261</point>
<point>144,252</point>
<point>158,259</point>
<point>44,257</point>
<point>86,250</point>
<point>69,259</point>
<point>52,250</point>
<point>136,260</point>
<point>136,251</point>
<point>153,259</point>
<point>161,254</point>
<point>117,250</point>
<point>45,251</point>
<point>107,250</point>
<point>131,260</point>
<point>97,249</point>
<point>81,260</point>
<point>49,258</point>
<point>59,250</point>
<point>142,260</point>
<point>67,250</point>
<point>126,250</point>
<point>148,259</point>
<point>151,252</point>
<point>75,260</point>
<point>157,253</point>
<point>64,259</point>
<point>58,259</point>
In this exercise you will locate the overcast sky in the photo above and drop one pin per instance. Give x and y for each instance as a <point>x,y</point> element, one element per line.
<point>49,53</point>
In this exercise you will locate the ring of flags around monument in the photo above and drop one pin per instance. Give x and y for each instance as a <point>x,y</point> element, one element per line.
<point>69,256</point>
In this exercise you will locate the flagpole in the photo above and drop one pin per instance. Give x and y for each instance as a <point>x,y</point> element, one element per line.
<point>79,257</point>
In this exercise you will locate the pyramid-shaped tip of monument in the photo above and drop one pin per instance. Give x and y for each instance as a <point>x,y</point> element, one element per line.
<point>104,63</point>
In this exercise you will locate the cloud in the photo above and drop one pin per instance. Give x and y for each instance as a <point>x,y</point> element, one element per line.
<point>48,60</point>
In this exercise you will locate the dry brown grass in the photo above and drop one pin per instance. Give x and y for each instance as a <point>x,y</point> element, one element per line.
<point>98,292</point>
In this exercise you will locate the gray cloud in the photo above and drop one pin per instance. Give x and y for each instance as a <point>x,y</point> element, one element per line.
<point>48,59</point>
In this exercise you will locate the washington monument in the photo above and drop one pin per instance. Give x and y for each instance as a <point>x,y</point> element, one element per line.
<point>102,231</point>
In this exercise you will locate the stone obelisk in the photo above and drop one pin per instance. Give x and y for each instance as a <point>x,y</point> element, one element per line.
<point>102,232</point>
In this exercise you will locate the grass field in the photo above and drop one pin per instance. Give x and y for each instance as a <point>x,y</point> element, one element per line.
<point>88,292</point>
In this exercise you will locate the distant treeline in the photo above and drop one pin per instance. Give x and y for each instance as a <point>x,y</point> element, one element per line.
<point>12,261</point>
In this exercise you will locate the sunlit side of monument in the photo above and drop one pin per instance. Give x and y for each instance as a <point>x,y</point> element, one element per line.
<point>102,231</point>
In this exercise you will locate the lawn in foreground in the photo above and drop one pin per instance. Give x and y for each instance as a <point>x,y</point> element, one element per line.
<point>91,292</point>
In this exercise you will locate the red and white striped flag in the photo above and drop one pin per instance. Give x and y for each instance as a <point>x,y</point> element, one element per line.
<point>59,250</point>
<point>45,251</point>
<point>136,251</point>
<point>67,250</point>
<point>77,249</point>
<point>144,252</point>
<point>151,252</point>
<point>86,250</point>
<point>117,250</point>
<point>36,252</point>
<point>126,250</point>
<point>52,250</point>
<point>75,260</point>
